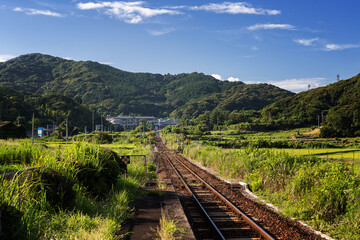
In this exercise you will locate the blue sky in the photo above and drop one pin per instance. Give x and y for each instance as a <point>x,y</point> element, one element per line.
<point>288,43</point>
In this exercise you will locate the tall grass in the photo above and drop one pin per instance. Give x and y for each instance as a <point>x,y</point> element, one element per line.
<point>325,194</point>
<point>168,229</point>
<point>19,152</point>
<point>78,193</point>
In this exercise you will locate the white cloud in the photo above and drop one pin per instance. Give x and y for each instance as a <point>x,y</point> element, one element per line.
<point>298,84</point>
<point>129,12</point>
<point>5,57</point>
<point>32,11</point>
<point>334,47</point>
<point>230,79</point>
<point>255,48</point>
<point>269,26</point>
<point>161,32</point>
<point>235,8</point>
<point>106,63</point>
<point>217,76</point>
<point>233,79</point>
<point>306,42</point>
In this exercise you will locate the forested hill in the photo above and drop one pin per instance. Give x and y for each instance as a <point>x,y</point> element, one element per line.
<point>337,104</point>
<point>19,107</point>
<point>240,97</point>
<point>113,91</point>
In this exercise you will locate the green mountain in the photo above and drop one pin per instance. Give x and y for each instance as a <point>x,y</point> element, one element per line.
<point>113,91</point>
<point>337,104</point>
<point>19,107</point>
<point>239,97</point>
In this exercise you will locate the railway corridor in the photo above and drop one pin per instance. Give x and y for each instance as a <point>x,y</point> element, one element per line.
<point>224,212</point>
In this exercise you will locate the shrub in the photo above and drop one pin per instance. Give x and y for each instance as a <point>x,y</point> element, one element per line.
<point>99,174</point>
<point>57,187</point>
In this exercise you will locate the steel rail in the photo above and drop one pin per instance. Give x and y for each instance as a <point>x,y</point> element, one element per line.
<point>197,201</point>
<point>230,204</point>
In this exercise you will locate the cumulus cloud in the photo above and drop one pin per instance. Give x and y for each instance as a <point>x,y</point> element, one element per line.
<point>5,57</point>
<point>217,76</point>
<point>161,32</point>
<point>334,47</point>
<point>270,26</point>
<point>233,79</point>
<point>298,84</point>
<point>235,8</point>
<point>230,79</point>
<point>129,12</point>
<point>306,42</point>
<point>32,11</point>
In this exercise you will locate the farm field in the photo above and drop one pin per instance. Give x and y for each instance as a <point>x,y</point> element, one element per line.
<point>79,191</point>
<point>281,134</point>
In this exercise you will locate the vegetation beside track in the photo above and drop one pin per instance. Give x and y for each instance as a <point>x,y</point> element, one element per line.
<point>80,191</point>
<point>324,193</point>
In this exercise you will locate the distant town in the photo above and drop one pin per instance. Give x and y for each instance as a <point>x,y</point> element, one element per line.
<point>130,122</point>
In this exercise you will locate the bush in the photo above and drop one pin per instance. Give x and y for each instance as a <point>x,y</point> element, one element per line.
<point>57,187</point>
<point>99,175</point>
<point>102,137</point>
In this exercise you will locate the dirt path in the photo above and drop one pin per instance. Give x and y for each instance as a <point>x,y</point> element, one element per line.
<point>146,219</point>
<point>148,212</point>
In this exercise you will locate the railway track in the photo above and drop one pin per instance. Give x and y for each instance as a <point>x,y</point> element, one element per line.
<point>212,216</point>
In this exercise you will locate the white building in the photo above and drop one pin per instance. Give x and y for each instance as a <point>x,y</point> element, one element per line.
<point>133,121</point>
<point>166,122</point>
<point>130,121</point>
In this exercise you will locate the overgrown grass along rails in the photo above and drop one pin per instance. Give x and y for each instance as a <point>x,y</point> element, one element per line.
<point>325,194</point>
<point>168,229</point>
<point>61,201</point>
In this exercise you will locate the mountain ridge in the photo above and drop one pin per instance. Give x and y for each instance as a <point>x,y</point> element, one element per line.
<point>336,107</point>
<point>113,91</point>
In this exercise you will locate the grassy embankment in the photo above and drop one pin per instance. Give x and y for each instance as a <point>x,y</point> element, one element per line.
<point>325,194</point>
<point>80,192</point>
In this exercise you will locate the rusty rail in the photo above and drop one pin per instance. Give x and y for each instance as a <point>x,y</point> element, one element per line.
<point>247,219</point>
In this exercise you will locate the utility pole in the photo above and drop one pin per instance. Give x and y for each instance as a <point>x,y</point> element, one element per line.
<point>93,121</point>
<point>318,118</point>
<point>32,128</point>
<point>101,116</point>
<point>67,132</point>
<point>140,132</point>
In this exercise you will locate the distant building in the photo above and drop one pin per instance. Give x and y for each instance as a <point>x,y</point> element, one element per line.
<point>166,122</point>
<point>130,122</point>
<point>42,131</point>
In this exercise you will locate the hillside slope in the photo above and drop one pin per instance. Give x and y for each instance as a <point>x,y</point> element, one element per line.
<point>19,107</point>
<point>114,91</point>
<point>337,104</point>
